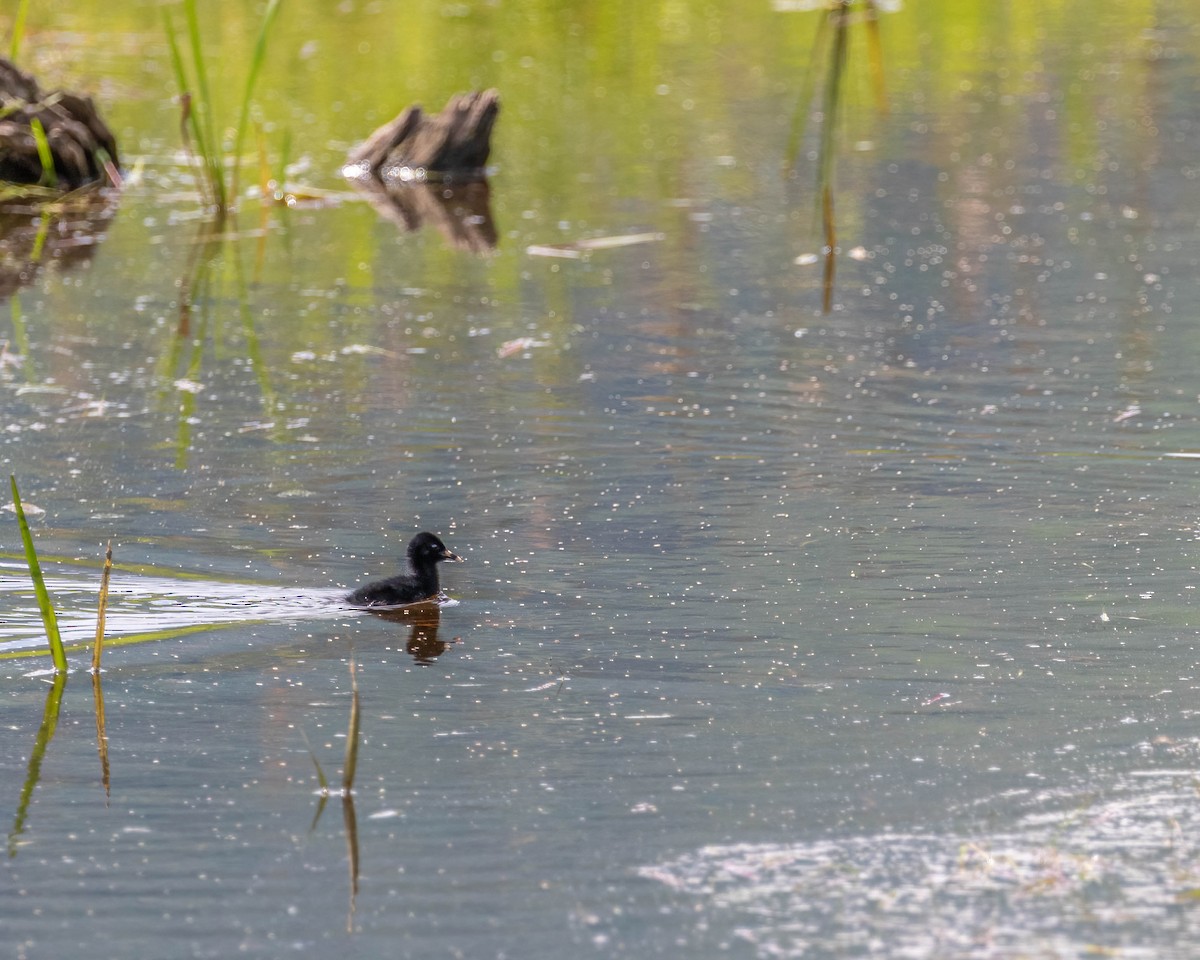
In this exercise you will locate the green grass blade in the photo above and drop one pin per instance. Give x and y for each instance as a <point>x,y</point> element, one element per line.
<point>18,31</point>
<point>256,62</point>
<point>181,78</point>
<point>39,584</point>
<point>49,177</point>
<point>197,108</point>
<point>150,636</point>
<point>202,103</point>
<point>190,117</point>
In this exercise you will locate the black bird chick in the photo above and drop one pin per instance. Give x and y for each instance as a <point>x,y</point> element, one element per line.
<point>425,551</point>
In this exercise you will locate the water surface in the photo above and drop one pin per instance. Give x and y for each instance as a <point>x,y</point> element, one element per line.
<point>782,632</point>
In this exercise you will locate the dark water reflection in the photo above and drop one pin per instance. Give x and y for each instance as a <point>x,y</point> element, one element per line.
<point>63,234</point>
<point>782,633</point>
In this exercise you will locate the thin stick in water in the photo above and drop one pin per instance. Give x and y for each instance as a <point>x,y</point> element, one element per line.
<point>102,608</point>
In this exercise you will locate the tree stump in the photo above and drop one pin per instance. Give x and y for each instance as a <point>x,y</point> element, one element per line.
<point>454,145</point>
<point>81,146</point>
<point>420,169</point>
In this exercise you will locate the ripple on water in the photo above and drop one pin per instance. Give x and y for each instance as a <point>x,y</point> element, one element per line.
<point>155,605</point>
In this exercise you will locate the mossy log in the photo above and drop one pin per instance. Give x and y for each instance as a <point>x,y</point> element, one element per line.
<point>82,147</point>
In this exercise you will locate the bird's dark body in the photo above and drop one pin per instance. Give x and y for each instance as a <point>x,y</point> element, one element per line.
<point>419,582</point>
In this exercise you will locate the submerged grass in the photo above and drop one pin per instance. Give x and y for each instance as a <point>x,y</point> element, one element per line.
<point>53,637</point>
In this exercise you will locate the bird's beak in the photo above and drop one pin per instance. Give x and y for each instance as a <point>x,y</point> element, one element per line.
<point>451,556</point>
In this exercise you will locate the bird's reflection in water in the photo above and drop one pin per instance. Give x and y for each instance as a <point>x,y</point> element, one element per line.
<point>423,619</point>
